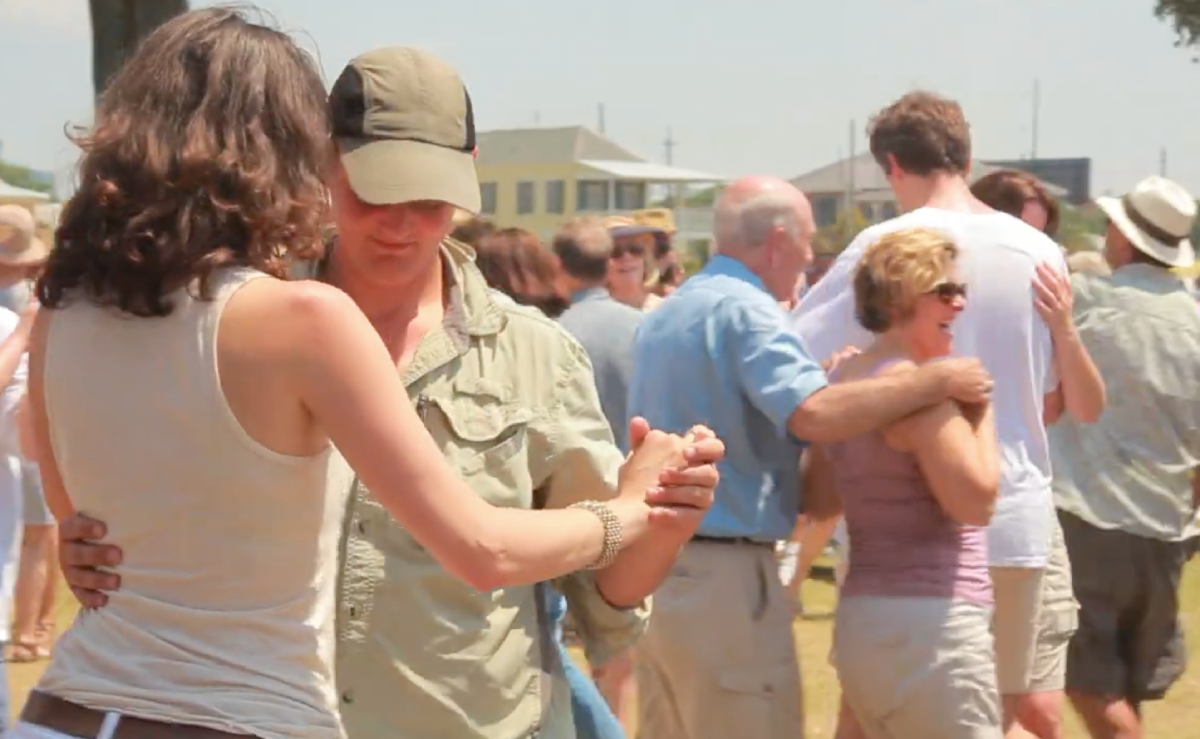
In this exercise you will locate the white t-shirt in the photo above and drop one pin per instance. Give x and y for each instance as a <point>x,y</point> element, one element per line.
<point>998,255</point>
<point>11,517</point>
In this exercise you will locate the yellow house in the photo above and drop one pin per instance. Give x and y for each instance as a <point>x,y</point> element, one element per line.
<point>538,178</point>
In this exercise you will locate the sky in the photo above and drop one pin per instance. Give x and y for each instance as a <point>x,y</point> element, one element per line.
<point>753,87</point>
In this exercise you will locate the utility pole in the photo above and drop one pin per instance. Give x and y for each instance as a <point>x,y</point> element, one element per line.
<point>1037,104</point>
<point>669,147</point>
<point>1162,162</point>
<point>849,207</point>
<point>537,118</point>
<point>600,118</point>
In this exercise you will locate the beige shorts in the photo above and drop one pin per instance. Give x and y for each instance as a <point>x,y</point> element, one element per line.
<point>1018,595</point>
<point>718,658</point>
<point>918,667</point>
<point>1059,619</point>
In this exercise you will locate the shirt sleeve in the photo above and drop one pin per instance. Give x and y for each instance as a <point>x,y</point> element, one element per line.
<point>825,316</point>
<point>771,362</point>
<point>582,463</point>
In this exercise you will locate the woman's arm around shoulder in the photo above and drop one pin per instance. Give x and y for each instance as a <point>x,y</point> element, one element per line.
<point>955,446</point>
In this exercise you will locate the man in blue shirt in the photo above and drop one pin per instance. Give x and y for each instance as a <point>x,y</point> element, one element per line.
<point>718,658</point>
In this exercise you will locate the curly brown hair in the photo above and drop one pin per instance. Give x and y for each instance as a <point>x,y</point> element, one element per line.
<point>924,132</point>
<point>208,151</point>
<point>516,263</point>
<point>1008,190</point>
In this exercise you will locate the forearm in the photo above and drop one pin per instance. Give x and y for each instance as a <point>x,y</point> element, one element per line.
<point>845,410</point>
<point>11,351</point>
<point>1083,388</point>
<point>638,571</point>
<point>519,547</point>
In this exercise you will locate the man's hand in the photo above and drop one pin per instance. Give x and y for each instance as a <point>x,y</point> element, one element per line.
<point>81,556</point>
<point>964,379</point>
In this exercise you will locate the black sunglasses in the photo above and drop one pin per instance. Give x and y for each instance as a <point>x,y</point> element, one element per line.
<point>620,250</point>
<point>948,291</point>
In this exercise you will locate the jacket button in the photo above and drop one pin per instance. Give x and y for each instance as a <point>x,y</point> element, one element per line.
<point>347,697</point>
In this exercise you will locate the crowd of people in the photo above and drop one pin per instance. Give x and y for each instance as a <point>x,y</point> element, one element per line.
<point>330,459</point>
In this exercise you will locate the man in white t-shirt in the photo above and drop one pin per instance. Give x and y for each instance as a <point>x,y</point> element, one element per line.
<point>923,143</point>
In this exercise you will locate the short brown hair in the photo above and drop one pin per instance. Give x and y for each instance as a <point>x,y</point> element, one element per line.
<point>208,150</point>
<point>514,262</point>
<point>897,270</point>
<point>473,231</point>
<point>1008,190</point>
<point>924,132</point>
<point>584,247</point>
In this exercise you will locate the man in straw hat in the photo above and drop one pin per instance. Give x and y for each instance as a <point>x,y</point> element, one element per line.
<point>1124,486</point>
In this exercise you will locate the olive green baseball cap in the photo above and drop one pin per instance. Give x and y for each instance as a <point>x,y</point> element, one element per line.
<point>405,129</point>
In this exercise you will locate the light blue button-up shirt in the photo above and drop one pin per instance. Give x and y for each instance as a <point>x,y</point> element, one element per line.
<point>719,352</point>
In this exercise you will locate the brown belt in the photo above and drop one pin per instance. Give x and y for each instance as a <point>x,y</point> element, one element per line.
<point>71,719</point>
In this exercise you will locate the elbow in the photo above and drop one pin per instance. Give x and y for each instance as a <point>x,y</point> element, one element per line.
<point>808,423</point>
<point>983,494</point>
<point>1091,412</point>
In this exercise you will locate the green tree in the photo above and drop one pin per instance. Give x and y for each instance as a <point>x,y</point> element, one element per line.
<point>1184,16</point>
<point>19,176</point>
<point>117,28</point>
<point>834,238</point>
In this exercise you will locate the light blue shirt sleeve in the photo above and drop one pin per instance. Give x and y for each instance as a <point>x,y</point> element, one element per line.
<point>770,360</point>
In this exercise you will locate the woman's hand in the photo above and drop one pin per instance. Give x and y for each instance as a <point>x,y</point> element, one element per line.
<point>1054,299</point>
<point>684,480</point>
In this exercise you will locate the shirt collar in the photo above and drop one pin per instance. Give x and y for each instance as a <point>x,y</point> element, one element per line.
<point>1145,275</point>
<point>728,267</point>
<point>590,293</point>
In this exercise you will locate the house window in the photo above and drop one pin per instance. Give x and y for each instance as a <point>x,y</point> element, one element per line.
<point>487,198</point>
<point>591,195</point>
<point>825,210</point>
<point>556,196</point>
<point>525,198</point>
<point>887,211</point>
<point>631,195</point>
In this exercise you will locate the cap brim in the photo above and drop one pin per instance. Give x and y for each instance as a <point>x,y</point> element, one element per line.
<point>1183,255</point>
<point>389,172</point>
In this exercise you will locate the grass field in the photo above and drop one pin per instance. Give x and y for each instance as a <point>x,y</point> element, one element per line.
<point>1178,717</point>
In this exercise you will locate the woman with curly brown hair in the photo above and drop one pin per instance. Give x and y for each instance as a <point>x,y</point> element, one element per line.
<point>183,393</point>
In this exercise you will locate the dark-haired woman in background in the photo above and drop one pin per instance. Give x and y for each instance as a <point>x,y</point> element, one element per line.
<point>1081,393</point>
<point>515,263</point>
<point>185,394</point>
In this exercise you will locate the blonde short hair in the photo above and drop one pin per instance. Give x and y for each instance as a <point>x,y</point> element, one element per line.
<point>897,270</point>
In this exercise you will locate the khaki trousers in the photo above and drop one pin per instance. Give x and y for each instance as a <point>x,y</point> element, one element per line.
<point>718,659</point>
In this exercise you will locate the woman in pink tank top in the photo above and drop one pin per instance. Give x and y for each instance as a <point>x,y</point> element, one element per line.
<point>913,645</point>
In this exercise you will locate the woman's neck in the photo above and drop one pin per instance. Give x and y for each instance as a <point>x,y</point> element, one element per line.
<point>633,295</point>
<point>895,344</point>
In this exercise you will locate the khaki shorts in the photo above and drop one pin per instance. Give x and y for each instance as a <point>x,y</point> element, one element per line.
<point>918,667</point>
<point>1015,623</point>
<point>718,659</point>
<point>1059,619</point>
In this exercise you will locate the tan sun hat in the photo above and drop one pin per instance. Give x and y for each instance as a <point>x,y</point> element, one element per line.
<point>19,244</point>
<point>406,129</point>
<point>1157,218</point>
<point>660,218</point>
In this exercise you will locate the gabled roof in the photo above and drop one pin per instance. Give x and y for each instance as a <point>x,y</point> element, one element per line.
<point>868,175</point>
<point>549,146</point>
